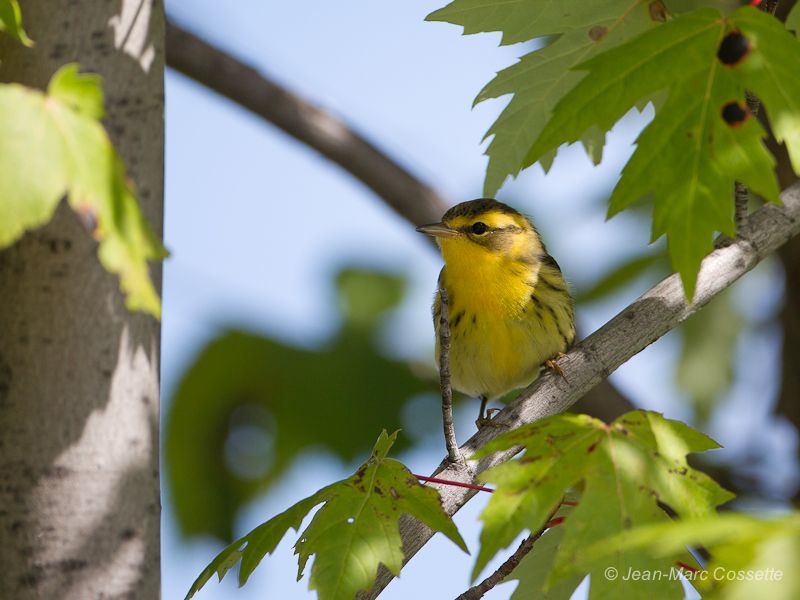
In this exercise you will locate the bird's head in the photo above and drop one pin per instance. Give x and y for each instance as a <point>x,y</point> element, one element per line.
<point>484,229</point>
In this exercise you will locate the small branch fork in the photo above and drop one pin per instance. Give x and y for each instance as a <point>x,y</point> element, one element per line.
<point>511,563</point>
<point>453,454</point>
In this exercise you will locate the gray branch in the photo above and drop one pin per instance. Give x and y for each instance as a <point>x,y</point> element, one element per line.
<point>649,317</point>
<point>330,136</point>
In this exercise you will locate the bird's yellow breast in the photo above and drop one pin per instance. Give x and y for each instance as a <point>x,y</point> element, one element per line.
<point>506,317</point>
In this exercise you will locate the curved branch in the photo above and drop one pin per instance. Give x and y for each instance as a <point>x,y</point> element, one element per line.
<point>648,318</point>
<point>325,133</point>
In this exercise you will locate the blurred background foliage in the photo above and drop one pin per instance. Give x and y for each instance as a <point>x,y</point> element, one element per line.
<point>249,406</point>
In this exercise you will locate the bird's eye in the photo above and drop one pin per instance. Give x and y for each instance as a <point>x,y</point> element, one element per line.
<point>479,228</point>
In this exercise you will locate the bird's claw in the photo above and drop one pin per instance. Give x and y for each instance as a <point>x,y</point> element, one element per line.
<point>487,421</point>
<point>552,364</point>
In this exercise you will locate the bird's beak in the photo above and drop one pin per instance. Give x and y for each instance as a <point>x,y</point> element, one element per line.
<point>438,230</point>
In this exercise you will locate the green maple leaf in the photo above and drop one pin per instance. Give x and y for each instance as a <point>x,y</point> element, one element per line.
<point>354,532</point>
<point>689,157</point>
<point>11,22</point>
<point>624,469</point>
<point>793,20</point>
<point>53,144</point>
<point>738,544</point>
<point>540,79</point>
<point>621,77</point>
<point>533,571</point>
<point>251,548</point>
<point>770,71</point>
<point>522,20</point>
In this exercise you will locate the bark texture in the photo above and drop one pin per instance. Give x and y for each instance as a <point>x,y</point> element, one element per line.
<point>79,403</point>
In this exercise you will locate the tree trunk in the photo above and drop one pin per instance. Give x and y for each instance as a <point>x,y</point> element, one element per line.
<point>79,403</point>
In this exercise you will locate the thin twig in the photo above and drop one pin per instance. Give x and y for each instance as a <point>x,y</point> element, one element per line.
<point>648,318</point>
<point>329,135</point>
<point>741,194</point>
<point>511,563</point>
<point>453,454</point>
<point>741,203</point>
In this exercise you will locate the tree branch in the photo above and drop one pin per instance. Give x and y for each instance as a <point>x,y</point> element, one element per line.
<point>477,591</point>
<point>649,317</point>
<point>325,133</point>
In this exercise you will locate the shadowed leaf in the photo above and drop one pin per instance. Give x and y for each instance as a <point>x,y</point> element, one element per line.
<point>705,368</point>
<point>533,571</point>
<point>621,275</point>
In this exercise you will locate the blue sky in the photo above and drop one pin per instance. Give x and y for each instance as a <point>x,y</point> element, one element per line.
<point>235,183</point>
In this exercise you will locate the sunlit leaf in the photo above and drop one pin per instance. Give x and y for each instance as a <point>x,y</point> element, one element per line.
<point>81,92</point>
<point>621,77</point>
<point>624,470</point>
<point>540,79</point>
<point>355,530</point>
<point>53,144</point>
<point>751,557</point>
<point>11,21</point>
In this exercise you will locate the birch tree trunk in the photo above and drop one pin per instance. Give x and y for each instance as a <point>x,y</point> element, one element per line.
<point>79,402</point>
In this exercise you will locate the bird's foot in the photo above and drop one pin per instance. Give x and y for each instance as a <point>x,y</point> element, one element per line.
<point>552,364</point>
<point>487,421</point>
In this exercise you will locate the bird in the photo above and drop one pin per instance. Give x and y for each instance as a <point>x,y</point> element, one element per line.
<point>509,307</point>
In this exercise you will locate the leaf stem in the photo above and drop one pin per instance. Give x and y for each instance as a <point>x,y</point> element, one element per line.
<point>470,486</point>
<point>741,195</point>
<point>453,454</point>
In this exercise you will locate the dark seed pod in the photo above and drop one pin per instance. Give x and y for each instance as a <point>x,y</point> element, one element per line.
<point>733,49</point>
<point>735,113</point>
